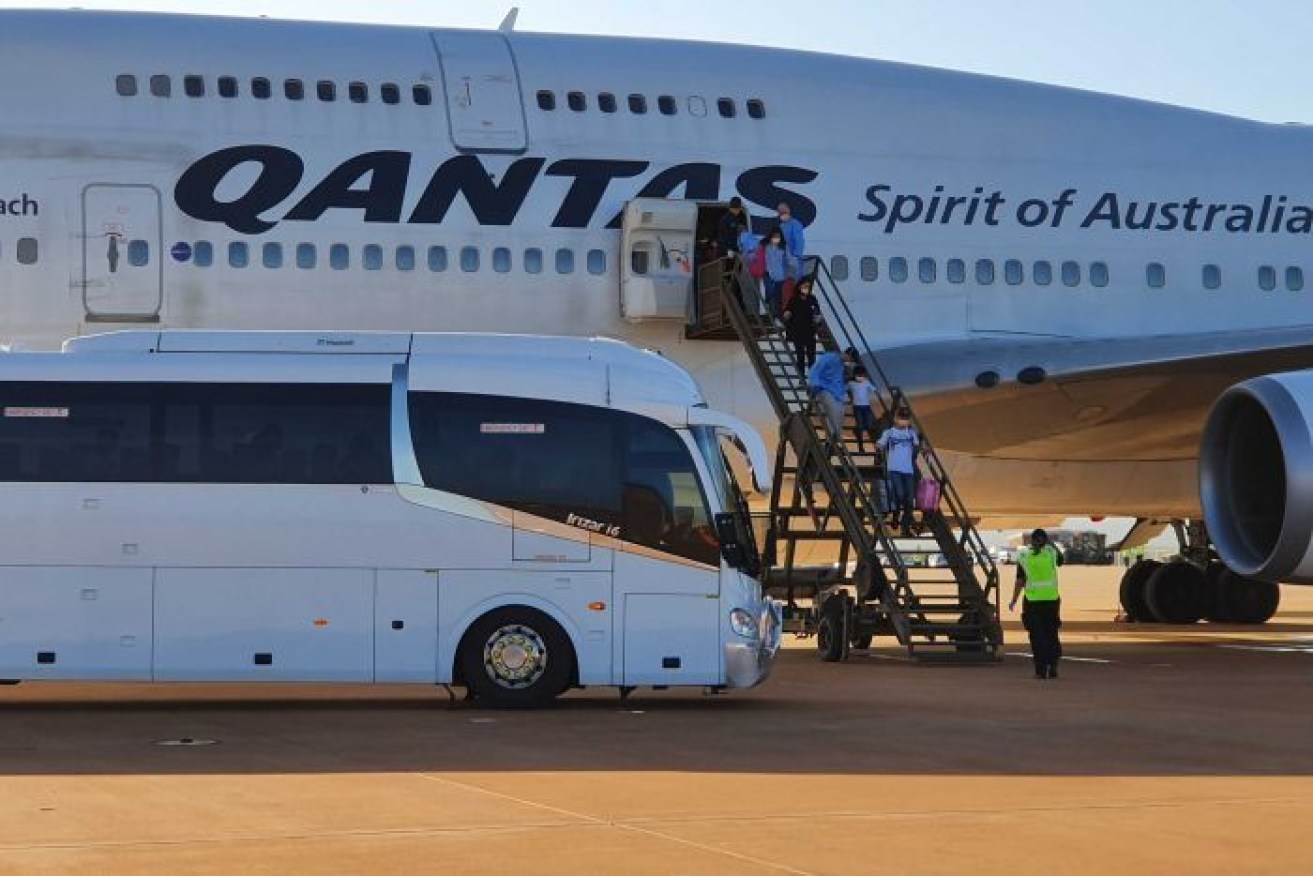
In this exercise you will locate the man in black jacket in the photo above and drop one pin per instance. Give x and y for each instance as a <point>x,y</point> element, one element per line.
<point>727,231</point>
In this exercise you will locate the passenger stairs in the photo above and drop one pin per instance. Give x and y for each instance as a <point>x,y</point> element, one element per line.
<point>937,589</point>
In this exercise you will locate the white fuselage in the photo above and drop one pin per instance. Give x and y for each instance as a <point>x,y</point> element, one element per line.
<point>882,161</point>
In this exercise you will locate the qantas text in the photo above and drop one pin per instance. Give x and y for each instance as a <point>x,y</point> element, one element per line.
<point>375,184</point>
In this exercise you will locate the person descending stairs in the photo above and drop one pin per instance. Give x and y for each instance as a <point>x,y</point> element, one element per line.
<point>931,582</point>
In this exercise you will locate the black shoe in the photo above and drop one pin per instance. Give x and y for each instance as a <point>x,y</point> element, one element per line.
<point>1053,671</point>
<point>1040,675</point>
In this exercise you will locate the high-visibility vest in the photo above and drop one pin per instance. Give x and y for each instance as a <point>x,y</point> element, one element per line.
<point>1041,568</point>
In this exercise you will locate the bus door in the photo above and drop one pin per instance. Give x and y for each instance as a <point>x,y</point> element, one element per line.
<point>122,264</point>
<point>482,92</point>
<point>656,264</point>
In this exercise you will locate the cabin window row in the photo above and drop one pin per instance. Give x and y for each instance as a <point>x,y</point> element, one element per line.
<point>637,104</point>
<point>985,272</point>
<point>263,88</point>
<point>25,251</point>
<point>375,257</point>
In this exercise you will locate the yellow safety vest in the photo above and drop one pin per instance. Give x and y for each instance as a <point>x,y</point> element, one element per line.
<point>1041,573</point>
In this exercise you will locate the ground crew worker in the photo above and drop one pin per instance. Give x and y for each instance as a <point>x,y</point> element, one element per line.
<point>1037,575</point>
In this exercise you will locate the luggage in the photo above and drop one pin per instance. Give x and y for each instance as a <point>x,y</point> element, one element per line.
<point>927,496</point>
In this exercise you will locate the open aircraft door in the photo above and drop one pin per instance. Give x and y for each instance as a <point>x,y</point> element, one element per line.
<point>656,263</point>
<point>122,259</point>
<point>482,89</point>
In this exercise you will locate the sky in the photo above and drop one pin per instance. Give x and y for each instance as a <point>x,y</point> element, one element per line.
<point>1244,58</point>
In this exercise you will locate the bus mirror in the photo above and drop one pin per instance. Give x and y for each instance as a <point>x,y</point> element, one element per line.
<point>732,548</point>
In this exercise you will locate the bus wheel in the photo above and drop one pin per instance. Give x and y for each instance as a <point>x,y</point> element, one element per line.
<point>516,658</point>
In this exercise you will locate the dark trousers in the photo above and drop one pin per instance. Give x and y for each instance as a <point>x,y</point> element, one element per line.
<point>1041,620</point>
<point>902,495</point>
<point>804,352</point>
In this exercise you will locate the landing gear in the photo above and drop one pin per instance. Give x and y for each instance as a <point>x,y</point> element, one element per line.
<point>1194,586</point>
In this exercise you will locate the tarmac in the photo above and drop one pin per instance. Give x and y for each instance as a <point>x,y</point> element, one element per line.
<point>1159,750</point>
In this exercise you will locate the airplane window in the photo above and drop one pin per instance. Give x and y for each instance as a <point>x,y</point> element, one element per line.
<point>606,102</point>
<point>390,93</point>
<point>126,85</point>
<point>1294,279</point>
<point>372,257</point>
<point>596,261</point>
<point>546,100</point>
<point>985,272</point>
<point>898,269</point>
<point>576,101</point>
<point>839,267</point>
<point>870,268</point>
<point>138,253</point>
<point>725,106</point>
<point>565,260</point>
<point>1212,276</point>
<point>956,271</point>
<point>193,86</point>
<point>27,251</point>
<point>306,256</point>
<point>405,258</point>
<point>697,106</point>
<point>261,89</point>
<point>272,255</point>
<point>339,256</point>
<point>1099,274</point>
<point>358,92</point>
<point>1267,278</point>
<point>1013,273</point>
<point>469,259</point>
<point>666,104</point>
<point>294,89</point>
<point>326,90</point>
<point>202,254</point>
<point>437,259</point>
<point>925,269</point>
<point>533,260</point>
<point>161,86</point>
<point>501,260</point>
<point>1042,273</point>
<point>1157,276</point>
<point>238,255</point>
<point>637,104</point>
<point>756,109</point>
<point>422,94</point>
<point>1071,274</point>
<point>227,86</point>
<point>640,261</point>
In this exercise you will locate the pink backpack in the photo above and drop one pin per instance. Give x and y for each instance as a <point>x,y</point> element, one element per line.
<point>927,496</point>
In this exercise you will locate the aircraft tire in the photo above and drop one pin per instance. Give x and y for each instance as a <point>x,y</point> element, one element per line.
<point>1132,591</point>
<point>1216,575</point>
<point>1177,593</point>
<point>1247,601</point>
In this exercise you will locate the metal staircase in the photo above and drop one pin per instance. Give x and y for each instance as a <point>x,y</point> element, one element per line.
<point>936,591</point>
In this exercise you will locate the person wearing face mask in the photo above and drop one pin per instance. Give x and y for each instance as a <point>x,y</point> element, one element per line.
<point>727,229</point>
<point>899,444</point>
<point>795,242</point>
<point>776,261</point>
<point>802,315</point>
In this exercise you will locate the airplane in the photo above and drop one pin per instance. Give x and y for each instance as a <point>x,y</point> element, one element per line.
<point>1064,282</point>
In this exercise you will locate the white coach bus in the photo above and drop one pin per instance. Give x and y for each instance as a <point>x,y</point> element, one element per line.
<point>518,515</point>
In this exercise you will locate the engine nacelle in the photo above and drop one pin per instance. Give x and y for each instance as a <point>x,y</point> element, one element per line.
<point>1256,477</point>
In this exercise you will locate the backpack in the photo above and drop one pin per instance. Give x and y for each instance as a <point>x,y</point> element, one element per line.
<point>757,265</point>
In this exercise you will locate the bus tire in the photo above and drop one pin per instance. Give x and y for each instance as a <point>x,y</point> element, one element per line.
<point>516,658</point>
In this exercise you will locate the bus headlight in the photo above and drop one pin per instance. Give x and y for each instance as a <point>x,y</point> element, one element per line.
<point>743,624</point>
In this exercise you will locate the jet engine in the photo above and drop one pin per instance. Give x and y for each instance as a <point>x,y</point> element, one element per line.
<point>1256,477</point>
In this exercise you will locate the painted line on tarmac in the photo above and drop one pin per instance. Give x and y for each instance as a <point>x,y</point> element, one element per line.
<point>633,828</point>
<point>1272,649</point>
<point>1099,660</point>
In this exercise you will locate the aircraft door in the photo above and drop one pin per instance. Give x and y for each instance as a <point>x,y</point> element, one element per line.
<point>482,89</point>
<point>122,257</point>
<point>656,263</point>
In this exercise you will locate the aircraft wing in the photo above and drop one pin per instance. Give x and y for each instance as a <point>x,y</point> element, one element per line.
<point>1128,399</point>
